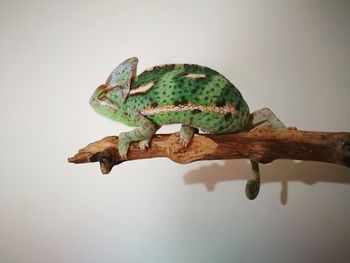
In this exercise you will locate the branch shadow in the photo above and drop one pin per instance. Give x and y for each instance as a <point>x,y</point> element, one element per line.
<point>282,171</point>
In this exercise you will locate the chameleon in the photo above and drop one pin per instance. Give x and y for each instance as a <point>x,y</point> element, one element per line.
<point>195,96</point>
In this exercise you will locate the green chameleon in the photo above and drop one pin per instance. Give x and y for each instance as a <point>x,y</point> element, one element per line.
<point>194,96</point>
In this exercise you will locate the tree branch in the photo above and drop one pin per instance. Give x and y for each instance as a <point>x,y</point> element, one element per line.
<point>263,145</point>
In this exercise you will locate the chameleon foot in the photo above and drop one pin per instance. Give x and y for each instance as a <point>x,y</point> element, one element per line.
<point>144,144</point>
<point>186,134</point>
<point>253,186</point>
<point>184,143</point>
<point>123,145</point>
<point>123,155</point>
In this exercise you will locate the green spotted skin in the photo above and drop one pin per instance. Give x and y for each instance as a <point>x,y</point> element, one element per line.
<point>192,95</point>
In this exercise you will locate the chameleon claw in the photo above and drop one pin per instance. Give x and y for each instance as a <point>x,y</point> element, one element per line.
<point>123,155</point>
<point>186,134</point>
<point>184,143</point>
<point>123,145</point>
<point>123,152</point>
<point>144,144</point>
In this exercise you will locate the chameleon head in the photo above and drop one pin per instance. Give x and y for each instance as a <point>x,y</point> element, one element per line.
<point>108,97</point>
<point>102,103</point>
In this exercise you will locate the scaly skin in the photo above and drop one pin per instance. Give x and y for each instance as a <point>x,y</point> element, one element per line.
<point>191,95</point>
<point>188,94</point>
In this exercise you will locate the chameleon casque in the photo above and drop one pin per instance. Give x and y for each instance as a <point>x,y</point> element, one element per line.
<point>191,95</point>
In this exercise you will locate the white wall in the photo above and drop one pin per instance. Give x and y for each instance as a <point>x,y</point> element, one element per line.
<point>292,56</point>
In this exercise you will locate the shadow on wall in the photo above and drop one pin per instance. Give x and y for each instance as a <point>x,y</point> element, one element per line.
<point>306,172</point>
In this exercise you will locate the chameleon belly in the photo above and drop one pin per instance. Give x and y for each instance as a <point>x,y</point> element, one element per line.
<point>192,95</point>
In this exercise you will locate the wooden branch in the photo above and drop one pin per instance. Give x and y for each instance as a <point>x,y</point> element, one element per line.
<point>262,145</point>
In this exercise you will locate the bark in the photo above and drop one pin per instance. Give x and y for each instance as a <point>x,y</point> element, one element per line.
<point>262,145</point>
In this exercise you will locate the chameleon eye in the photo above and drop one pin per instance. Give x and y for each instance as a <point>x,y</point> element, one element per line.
<point>102,97</point>
<point>102,93</point>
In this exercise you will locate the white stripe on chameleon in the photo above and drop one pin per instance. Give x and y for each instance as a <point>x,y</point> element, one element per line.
<point>142,89</point>
<point>196,76</point>
<point>188,107</point>
<point>167,76</point>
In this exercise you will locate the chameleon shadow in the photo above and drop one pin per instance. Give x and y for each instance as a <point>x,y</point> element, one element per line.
<point>282,171</point>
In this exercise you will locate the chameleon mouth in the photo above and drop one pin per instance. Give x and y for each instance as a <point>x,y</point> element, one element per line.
<point>99,95</point>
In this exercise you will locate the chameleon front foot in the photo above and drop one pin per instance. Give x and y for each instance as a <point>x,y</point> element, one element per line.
<point>186,135</point>
<point>123,154</point>
<point>144,144</point>
<point>253,186</point>
<point>123,145</point>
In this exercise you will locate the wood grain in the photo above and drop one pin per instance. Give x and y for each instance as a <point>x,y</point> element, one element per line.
<point>264,145</point>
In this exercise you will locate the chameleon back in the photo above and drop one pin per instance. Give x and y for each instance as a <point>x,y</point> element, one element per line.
<point>192,95</point>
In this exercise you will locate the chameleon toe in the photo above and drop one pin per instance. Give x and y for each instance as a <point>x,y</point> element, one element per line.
<point>144,144</point>
<point>184,143</point>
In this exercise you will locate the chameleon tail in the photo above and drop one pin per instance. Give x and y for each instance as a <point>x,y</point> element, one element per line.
<point>253,186</point>
<point>260,119</point>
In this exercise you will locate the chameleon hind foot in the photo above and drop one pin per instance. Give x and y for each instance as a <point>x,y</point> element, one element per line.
<point>253,186</point>
<point>186,135</point>
<point>264,118</point>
